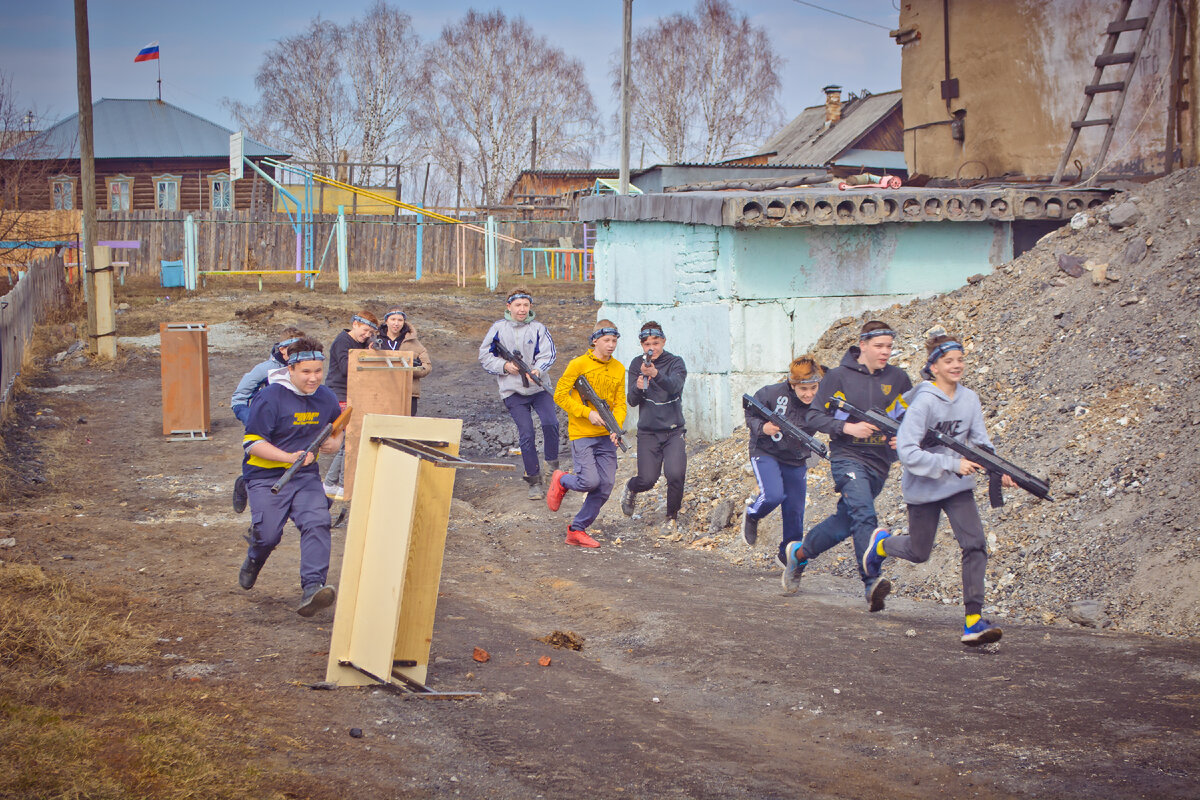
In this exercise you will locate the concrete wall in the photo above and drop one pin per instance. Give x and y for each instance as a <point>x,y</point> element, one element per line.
<point>1022,66</point>
<point>739,304</point>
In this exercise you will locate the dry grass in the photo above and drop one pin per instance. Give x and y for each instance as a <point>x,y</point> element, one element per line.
<point>73,725</point>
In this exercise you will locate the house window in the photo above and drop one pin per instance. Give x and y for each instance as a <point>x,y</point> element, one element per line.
<point>62,193</point>
<point>166,192</point>
<point>120,193</point>
<point>220,191</point>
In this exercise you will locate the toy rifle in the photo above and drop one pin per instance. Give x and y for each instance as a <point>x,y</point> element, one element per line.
<point>331,428</point>
<point>786,427</point>
<point>588,395</point>
<point>527,374</point>
<point>992,463</point>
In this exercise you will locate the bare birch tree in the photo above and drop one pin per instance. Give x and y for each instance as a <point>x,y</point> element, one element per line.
<point>485,79</point>
<point>705,85</point>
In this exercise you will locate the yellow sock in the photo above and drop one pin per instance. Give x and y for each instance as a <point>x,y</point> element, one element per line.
<point>879,548</point>
<point>972,619</point>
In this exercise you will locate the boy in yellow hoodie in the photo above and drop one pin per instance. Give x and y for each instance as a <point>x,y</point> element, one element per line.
<point>593,449</point>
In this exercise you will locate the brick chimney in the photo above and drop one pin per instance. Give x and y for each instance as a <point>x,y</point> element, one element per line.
<point>833,105</point>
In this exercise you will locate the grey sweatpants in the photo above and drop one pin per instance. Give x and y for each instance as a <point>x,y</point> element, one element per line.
<point>968,530</point>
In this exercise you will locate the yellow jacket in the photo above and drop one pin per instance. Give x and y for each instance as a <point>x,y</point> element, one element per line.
<point>606,377</point>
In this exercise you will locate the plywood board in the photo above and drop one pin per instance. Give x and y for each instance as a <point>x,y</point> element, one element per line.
<point>392,562</point>
<point>376,386</point>
<point>183,353</point>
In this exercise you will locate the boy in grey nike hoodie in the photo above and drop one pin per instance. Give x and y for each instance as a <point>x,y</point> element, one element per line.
<point>938,479</point>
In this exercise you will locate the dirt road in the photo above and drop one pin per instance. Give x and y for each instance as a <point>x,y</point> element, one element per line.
<point>697,679</point>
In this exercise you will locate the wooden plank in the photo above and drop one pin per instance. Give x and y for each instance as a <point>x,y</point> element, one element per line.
<point>1134,24</point>
<point>1110,59</point>
<point>376,389</point>
<point>184,366</point>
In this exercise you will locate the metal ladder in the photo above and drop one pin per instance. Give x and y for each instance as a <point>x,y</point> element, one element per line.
<point>589,244</point>
<point>1109,57</point>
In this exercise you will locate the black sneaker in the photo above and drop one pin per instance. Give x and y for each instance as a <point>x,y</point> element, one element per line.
<point>240,497</point>
<point>315,598</point>
<point>628,499</point>
<point>876,593</point>
<point>248,574</point>
<point>749,529</point>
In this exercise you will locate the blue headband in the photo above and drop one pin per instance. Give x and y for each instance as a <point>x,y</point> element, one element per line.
<point>305,355</point>
<point>941,350</point>
<point>288,342</point>
<point>518,296</point>
<point>391,313</point>
<point>367,322</point>
<point>646,333</point>
<point>605,332</point>
<point>872,334</point>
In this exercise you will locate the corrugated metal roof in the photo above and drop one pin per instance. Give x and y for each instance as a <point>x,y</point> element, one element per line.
<point>806,140</point>
<point>145,129</point>
<point>891,159</point>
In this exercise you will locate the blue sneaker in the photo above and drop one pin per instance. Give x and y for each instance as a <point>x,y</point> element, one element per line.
<point>872,562</point>
<point>982,632</point>
<point>793,569</point>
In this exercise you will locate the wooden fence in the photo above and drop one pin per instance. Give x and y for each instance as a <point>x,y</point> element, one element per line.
<point>236,240</point>
<point>41,288</point>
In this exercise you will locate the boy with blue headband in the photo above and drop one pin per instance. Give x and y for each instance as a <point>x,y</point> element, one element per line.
<point>363,327</point>
<point>284,419</point>
<point>937,480</point>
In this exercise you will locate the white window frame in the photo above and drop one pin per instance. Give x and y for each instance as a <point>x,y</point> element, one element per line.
<point>124,181</point>
<point>62,193</point>
<point>213,179</point>
<point>160,183</point>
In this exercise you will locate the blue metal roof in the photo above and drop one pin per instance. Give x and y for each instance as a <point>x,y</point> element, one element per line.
<point>142,129</point>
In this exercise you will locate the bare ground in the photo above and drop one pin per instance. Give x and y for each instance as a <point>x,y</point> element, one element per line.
<point>697,679</point>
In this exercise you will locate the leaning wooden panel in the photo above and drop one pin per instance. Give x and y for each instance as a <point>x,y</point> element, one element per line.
<point>392,563</point>
<point>377,382</point>
<point>183,353</point>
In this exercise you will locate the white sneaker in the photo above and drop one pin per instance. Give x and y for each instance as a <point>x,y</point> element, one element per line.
<point>332,492</point>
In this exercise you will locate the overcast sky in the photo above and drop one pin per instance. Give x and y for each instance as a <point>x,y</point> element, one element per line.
<point>211,50</point>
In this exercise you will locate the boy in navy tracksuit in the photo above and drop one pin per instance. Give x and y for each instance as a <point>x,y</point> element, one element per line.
<point>655,386</point>
<point>780,464</point>
<point>939,479</point>
<point>284,419</point>
<point>860,456</point>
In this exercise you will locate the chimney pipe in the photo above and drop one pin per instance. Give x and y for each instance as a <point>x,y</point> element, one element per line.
<point>833,105</point>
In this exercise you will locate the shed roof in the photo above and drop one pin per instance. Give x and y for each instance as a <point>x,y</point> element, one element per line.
<point>806,139</point>
<point>144,129</point>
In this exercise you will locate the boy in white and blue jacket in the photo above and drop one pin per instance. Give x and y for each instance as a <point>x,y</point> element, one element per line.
<point>938,480</point>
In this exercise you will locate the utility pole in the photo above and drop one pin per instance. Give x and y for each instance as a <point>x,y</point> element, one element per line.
<point>533,149</point>
<point>87,177</point>
<point>626,45</point>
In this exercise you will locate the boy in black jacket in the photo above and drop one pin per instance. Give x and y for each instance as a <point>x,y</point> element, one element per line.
<point>780,464</point>
<point>655,386</point>
<point>860,456</point>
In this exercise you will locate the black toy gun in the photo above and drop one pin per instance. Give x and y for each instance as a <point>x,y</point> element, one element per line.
<point>527,374</point>
<point>589,396</point>
<point>788,428</point>
<point>992,463</point>
<point>331,428</point>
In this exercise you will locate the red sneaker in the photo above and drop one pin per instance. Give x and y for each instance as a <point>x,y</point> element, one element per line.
<point>580,538</point>
<point>554,494</point>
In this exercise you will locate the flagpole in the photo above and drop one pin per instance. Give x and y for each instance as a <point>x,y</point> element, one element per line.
<point>159,62</point>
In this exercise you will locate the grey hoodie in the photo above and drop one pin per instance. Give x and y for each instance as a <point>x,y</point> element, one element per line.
<point>932,475</point>
<point>531,339</point>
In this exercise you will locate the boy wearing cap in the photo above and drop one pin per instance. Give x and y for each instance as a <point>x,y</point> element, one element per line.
<point>938,479</point>
<point>593,449</point>
<point>284,419</point>
<point>780,465</point>
<point>655,386</point>
<point>521,334</point>
<point>363,327</point>
<point>860,456</point>
<point>249,386</point>
<point>397,334</point>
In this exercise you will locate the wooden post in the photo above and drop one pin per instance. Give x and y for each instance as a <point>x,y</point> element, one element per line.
<point>102,284</point>
<point>87,162</point>
<point>625,93</point>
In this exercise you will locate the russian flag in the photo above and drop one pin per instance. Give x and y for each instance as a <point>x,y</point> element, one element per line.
<point>147,53</point>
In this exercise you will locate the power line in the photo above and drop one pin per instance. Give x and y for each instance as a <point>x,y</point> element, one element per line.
<point>840,14</point>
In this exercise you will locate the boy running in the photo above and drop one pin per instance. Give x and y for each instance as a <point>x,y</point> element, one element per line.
<point>520,334</point>
<point>860,456</point>
<point>284,419</point>
<point>656,386</point>
<point>593,449</point>
<point>938,480</point>
<point>780,465</point>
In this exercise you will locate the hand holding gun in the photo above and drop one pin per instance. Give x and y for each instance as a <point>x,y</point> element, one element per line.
<point>588,395</point>
<point>523,369</point>
<point>793,432</point>
<point>330,429</point>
